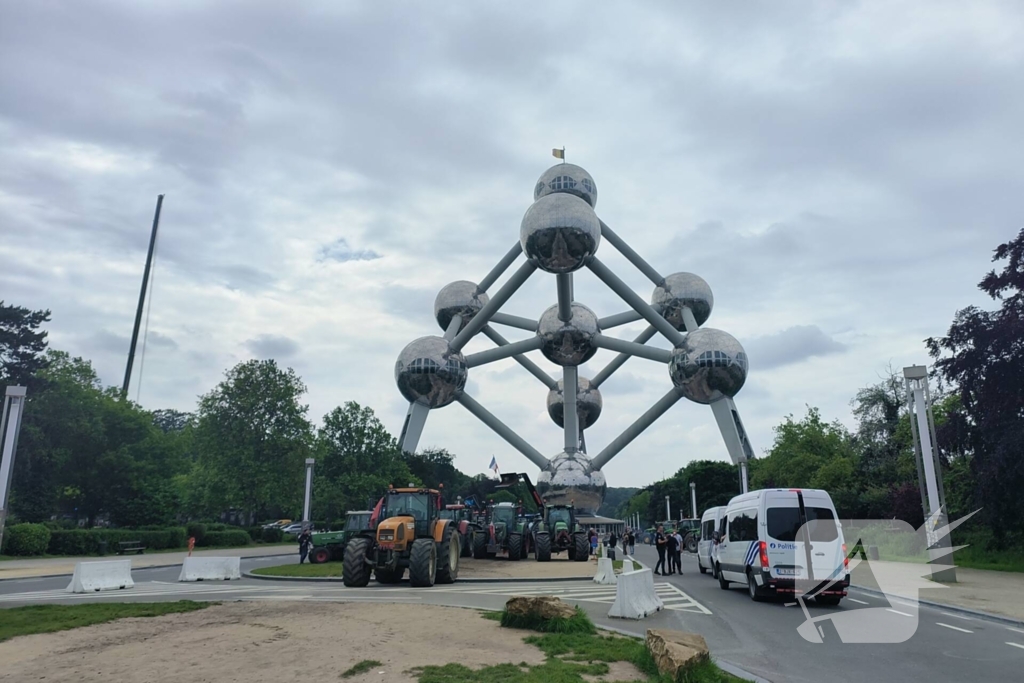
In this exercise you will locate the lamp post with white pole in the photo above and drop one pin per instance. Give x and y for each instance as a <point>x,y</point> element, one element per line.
<point>693,498</point>
<point>10,425</point>
<point>309,491</point>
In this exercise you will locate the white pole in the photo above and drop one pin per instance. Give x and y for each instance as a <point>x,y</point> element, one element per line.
<point>668,509</point>
<point>926,451</point>
<point>744,486</point>
<point>10,426</point>
<point>309,488</point>
<point>693,498</point>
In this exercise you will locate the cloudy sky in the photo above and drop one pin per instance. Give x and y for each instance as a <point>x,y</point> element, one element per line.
<point>838,172</point>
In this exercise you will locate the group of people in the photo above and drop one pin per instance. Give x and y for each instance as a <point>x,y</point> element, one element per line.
<point>670,552</point>
<point>611,540</point>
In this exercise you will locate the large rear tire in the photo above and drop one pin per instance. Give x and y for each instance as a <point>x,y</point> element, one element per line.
<point>479,545</point>
<point>543,547</point>
<point>423,563</point>
<point>582,546</point>
<point>356,573</point>
<point>386,576</point>
<point>319,555</point>
<point>515,546</point>
<point>753,589</point>
<point>449,551</point>
<point>691,543</point>
<point>722,582</point>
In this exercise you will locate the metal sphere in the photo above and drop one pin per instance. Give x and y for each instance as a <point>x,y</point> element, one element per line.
<point>683,289</point>
<point>458,298</point>
<point>568,477</point>
<point>430,373</point>
<point>568,343</point>
<point>708,365</point>
<point>560,232</point>
<point>567,178</point>
<point>588,403</point>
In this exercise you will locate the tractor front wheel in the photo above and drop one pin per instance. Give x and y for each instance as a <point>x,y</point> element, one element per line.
<point>582,546</point>
<point>423,563</point>
<point>449,552</point>
<point>543,547</point>
<point>480,545</point>
<point>356,572</point>
<point>515,546</point>
<point>319,556</point>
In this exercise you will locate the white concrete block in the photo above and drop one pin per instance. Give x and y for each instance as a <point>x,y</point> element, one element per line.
<point>101,576</point>
<point>210,569</point>
<point>635,597</point>
<point>605,572</point>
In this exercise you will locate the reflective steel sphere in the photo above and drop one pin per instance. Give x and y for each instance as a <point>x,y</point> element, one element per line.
<point>458,298</point>
<point>568,478</point>
<point>430,373</point>
<point>568,343</point>
<point>560,232</point>
<point>708,365</point>
<point>588,403</point>
<point>683,289</point>
<point>568,178</point>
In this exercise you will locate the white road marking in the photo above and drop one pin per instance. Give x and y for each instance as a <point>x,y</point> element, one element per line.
<point>1015,645</point>
<point>1015,630</point>
<point>859,602</point>
<point>906,604</point>
<point>957,616</point>
<point>673,597</point>
<point>898,612</point>
<point>955,628</point>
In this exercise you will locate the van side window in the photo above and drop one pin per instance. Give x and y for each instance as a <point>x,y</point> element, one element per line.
<point>722,526</point>
<point>707,529</point>
<point>743,526</point>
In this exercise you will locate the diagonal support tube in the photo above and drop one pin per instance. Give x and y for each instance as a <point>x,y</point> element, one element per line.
<point>633,299</point>
<point>514,321</point>
<point>415,419</point>
<point>506,351</point>
<point>502,266</point>
<point>632,348</point>
<point>492,306</point>
<point>617,362</point>
<point>530,366</point>
<point>633,257</point>
<point>564,282</point>
<point>570,418</point>
<point>618,319</point>
<point>635,429</point>
<point>453,327</point>
<point>502,430</point>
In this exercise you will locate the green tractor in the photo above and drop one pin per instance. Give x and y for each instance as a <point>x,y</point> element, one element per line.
<point>558,531</point>
<point>329,546</point>
<point>503,534</point>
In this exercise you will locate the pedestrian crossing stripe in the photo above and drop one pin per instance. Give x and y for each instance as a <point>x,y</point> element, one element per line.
<point>673,597</point>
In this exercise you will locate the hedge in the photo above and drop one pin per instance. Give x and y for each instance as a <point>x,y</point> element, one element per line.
<point>27,539</point>
<point>87,541</point>
<point>226,538</point>
<point>273,535</point>
<point>196,530</point>
<point>255,533</point>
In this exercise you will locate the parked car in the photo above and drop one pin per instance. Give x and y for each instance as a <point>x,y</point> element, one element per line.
<point>293,528</point>
<point>279,524</point>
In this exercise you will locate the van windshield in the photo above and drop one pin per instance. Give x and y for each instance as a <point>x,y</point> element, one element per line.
<point>784,524</point>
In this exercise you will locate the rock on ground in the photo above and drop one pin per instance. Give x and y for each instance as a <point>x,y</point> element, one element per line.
<point>675,650</point>
<point>543,607</point>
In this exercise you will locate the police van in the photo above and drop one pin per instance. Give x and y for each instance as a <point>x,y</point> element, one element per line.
<point>783,542</point>
<point>709,523</point>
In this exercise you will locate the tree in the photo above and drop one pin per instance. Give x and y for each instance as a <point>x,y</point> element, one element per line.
<point>170,420</point>
<point>22,345</point>
<point>252,437</point>
<point>436,467</point>
<point>982,356</point>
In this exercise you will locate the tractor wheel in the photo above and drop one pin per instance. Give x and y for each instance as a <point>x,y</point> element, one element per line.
<point>449,551</point>
<point>543,547</point>
<point>691,543</point>
<point>319,555</point>
<point>480,545</point>
<point>515,546</point>
<point>526,546</point>
<point>582,547</point>
<point>385,576</point>
<point>423,563</point>
<point>356,572</point>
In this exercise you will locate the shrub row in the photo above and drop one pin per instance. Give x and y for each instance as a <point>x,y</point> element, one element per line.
<point>235,537</point>
<point>26,539</point>
<point>87,541</point>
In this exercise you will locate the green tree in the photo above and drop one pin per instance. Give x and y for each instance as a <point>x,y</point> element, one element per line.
<point>436,467</point>
<point>252,437</point>
<point>22,345</point>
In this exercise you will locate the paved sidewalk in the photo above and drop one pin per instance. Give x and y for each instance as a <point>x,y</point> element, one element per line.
<point>51,566</point>
<point>1000,593</point>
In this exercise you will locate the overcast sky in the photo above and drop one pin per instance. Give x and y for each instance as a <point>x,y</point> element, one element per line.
<point>838,172</point>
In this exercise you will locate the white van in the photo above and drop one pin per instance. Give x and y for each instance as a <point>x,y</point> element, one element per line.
<point>706,550</point>
<point>772,539</point>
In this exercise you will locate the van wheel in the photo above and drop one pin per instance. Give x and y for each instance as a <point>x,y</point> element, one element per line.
<point>722,583</point>
<point>828,600</point>
<point>755,592</point>
<point>701,568</point>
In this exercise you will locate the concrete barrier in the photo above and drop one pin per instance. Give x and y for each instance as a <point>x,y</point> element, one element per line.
<point>210,569</point>
<point>101,576</point>
<point>635,597</point>
<point>605,572</point>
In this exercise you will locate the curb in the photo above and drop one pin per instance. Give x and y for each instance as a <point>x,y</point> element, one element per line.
<point>134,569</point>
<point>338,579</point>
<point>945,606</point>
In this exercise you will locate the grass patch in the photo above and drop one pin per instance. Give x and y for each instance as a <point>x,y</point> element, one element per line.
<point>493,616</point>
<point>360,668</point>
<point>23,621</point>
<point>301,570</point>
<point>577,623</point>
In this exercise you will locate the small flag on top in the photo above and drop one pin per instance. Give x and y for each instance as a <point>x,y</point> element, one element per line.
<point>494,464</point>
<point>558,153</point>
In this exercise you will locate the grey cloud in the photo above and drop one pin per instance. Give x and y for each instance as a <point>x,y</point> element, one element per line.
<point>272,346</point>
<point>340,251</point>
<point>792,345</point>
<point>160,340</point>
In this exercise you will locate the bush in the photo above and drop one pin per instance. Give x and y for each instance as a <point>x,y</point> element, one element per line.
<point>52,525</point>
<point>256,533</point>
<point>87,541</point>
<point>272,535</point>
<point>235,537</point>
<point>216,526</point>
<point>196,530</point>
<point>28,539</point>
<point>337,525</point>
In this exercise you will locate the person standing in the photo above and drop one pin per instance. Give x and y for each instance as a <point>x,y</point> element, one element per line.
<point>679,553</point>
<point>305,540</point>
<point>671,545</point>
<point>660,543</point>
<point>612,540</point>
<point>593,543</point>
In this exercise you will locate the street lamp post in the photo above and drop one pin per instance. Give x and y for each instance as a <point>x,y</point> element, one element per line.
<point>668,509</point>
<point>309,490</point>
<point>10,426</point>
<point>693,498</point>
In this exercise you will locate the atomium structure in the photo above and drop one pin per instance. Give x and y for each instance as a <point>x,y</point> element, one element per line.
<point>561,234</point>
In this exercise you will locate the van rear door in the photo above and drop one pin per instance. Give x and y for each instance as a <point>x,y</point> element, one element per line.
<point>826,536</point>
<point>787,555</point>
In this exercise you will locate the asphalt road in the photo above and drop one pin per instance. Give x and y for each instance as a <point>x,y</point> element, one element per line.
<point>759,637</point>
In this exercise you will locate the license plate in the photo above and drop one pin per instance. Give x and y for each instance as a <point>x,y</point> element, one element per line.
<point>386,546</point>
<point>785,572</point>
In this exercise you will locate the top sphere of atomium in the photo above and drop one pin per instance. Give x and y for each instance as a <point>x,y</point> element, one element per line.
<point>568,478</point>
<point>683,289</point>
<point>428,372</point>
<point>708,365</point>
<point>458,298</point>
<point>568,343</point>
<point>567,178</point>
<point>560,232</point>
<point>588,403</point>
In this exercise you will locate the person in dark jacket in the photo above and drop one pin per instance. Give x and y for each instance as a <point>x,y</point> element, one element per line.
<point>305,540</point>
<point>612,540</point>
<point>671,546</point>
<point>660,543</point>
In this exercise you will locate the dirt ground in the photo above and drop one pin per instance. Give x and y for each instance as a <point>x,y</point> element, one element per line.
<point>256,642</point>
<point>500,568</point>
